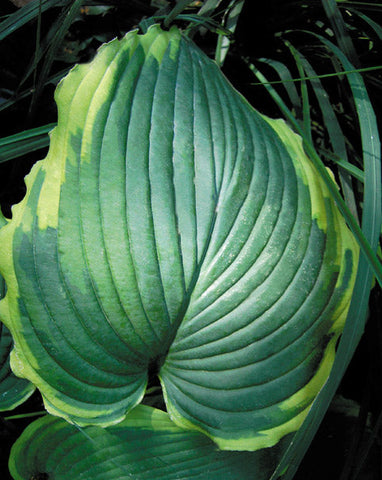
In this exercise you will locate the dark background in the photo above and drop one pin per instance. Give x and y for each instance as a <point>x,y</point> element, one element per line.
<point>347,427</point>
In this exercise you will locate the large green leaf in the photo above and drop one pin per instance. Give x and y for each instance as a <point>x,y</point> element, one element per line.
<point>13,390</point>
<point>145,446</point>
<point>172,229</point>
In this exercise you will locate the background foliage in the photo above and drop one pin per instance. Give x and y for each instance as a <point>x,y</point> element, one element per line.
<point>273,41</point>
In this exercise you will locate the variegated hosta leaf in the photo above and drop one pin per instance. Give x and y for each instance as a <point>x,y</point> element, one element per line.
<point>172,228</point>
<point>147,445</point>
<point>13,390</point>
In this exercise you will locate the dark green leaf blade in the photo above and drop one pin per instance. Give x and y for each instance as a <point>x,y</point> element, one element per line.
<point>145,446</point>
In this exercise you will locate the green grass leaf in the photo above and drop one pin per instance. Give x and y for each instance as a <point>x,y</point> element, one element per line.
<point>57,33</point>
<point>24,143</point>
<point>331,125</point>
<point>25,15</point>
<point>340,30</point>
<point>230,20</point>
<point>374,25</point>
<point>289,84</point>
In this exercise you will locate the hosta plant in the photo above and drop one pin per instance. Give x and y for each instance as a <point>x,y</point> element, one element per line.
<point>173,232</point>
<point>13,390</point>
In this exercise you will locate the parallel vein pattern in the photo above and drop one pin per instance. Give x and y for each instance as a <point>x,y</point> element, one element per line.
<point>172,225</point>
<point>146,445</point>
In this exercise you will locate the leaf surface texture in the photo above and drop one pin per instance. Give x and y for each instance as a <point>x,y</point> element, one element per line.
<point>172,227</point>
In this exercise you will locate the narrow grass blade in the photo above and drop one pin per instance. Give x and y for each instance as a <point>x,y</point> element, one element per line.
<point>21,416</point>
<point>206,12</point>
<point>333,128</point>
<point>346,166</point>
<point>375,26</point>
<point>26,93</point>
<point>208,7</point>
<point>60,27</point>
<point>340,30</point>
<point>288,83</point>
<point>372,212</point>
<point>43,45</point>
<point>230,22</point>
<point>25,142</point>
<point>306,120</point>
<point>363,242</point>
<point>323,75</point>
<point>368,243</point>
<point>24,15</point>
<point>179,7</point>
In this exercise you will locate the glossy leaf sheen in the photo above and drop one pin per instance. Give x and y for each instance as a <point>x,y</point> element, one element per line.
<point>172,227</point>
